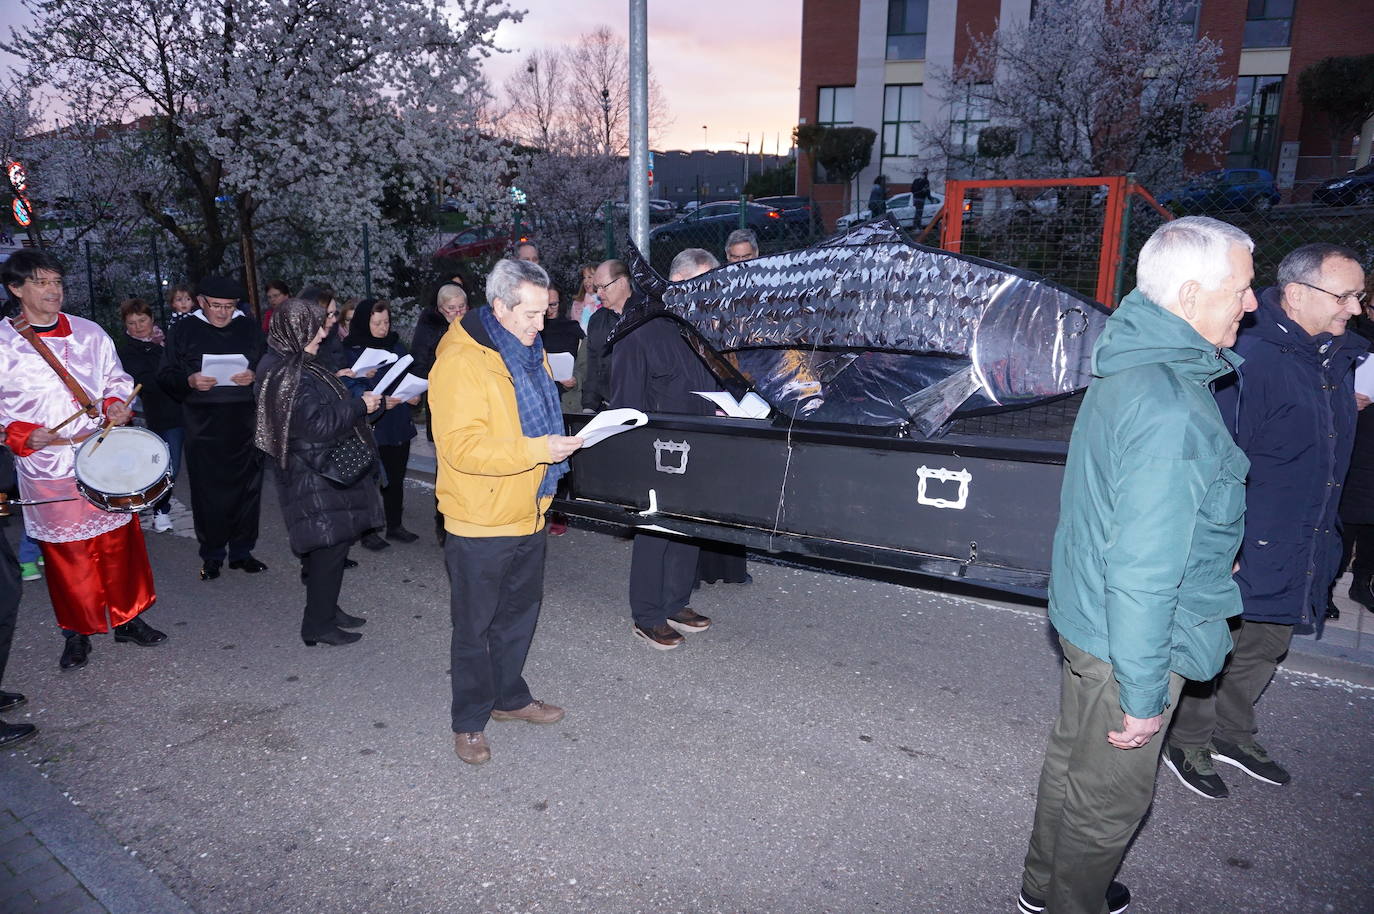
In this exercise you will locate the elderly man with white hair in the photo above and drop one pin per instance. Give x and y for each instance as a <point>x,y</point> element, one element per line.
<point>1141,586</point>
<point>498,437</point>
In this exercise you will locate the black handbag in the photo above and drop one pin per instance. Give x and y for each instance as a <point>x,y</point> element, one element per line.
<point>347,460</point>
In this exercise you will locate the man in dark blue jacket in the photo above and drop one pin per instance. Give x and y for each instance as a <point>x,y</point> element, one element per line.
<point>1293,413</point>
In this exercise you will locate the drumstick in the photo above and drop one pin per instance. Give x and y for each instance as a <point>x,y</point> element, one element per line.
<point>109,423</point>
<point>63,424</point>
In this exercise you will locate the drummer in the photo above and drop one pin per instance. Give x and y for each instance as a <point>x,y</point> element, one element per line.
<point>96,563</point>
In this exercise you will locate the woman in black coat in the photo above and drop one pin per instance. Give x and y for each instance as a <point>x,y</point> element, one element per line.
<point>371,329</point>
<point>140,352</point>
<point>302,411</point>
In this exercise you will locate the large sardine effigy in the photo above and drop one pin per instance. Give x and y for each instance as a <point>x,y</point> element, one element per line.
<point>867,328</point>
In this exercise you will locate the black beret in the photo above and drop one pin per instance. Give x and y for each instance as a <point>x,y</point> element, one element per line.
<point>221,287</point>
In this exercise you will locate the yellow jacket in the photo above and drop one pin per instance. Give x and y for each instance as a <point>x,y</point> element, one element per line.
<point>489,472</point>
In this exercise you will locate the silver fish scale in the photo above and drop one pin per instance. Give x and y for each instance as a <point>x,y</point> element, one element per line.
<point>891,296</point>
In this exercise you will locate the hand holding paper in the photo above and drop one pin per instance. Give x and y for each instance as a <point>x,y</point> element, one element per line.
<point>610,422</point>
<point>223,367</point>
<point>372,358</point>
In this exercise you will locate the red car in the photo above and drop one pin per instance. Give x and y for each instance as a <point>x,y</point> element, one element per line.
<point>481,241</point>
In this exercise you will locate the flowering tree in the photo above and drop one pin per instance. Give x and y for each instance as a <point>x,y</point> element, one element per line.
<point>284,121</point>
<point>1085,87</point>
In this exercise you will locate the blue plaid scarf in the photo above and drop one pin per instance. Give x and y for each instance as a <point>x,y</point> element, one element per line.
<point>536,394</point>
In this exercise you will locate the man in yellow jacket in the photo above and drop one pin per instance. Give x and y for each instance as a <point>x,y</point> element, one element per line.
<point>498,438</point>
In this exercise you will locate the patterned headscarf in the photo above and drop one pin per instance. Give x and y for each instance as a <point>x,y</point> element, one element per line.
<point>295,323</point>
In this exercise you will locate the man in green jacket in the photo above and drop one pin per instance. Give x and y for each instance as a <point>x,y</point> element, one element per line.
<point>1150,522</point>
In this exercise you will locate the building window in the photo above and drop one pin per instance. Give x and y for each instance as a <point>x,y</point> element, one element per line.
<point>906,29</point>
<point>1253,138</point>
<point>1185,15</point>
<point>967,118</point>
<point>1268,23</point>
<point>901,113</point>
<point>836,106</point>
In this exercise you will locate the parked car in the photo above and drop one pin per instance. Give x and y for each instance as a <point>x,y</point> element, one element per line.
<point>661,210</point>
<point>1356,188</point>
<point>902,208</point>
<point>1225,188</point>
<point>798,215</point>
<point>708,225</point>
<point>481,241</point>
<point>689,207</point>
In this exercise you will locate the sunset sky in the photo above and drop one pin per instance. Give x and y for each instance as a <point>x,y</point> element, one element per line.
<point>732,65</point>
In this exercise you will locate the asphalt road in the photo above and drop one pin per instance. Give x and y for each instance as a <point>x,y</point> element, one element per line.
<point>831,745</point>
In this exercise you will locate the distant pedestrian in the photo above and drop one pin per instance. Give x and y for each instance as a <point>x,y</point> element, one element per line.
<point>275,292</point>
<point>498,434</point>
<point>303,412</point>
<point>1150,521</point>
<point>877,197</point>
<point>920,188</point>
<point>741,245</point>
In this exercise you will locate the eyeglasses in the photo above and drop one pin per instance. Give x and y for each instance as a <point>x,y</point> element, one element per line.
<point>228,307</point>
<point>598,288</point>
<point>1358,298</point>
<point>45,283</point>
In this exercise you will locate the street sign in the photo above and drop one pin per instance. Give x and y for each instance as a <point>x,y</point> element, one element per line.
<point>22,214</point>
<point>19,178</point>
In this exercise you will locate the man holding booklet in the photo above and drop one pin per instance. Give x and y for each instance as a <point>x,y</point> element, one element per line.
<point>208,364</point>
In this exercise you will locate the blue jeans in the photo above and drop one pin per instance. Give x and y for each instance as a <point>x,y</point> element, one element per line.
<point>174,438</point>
<point>28,549</point>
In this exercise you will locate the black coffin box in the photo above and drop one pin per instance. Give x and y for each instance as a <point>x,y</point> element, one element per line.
<point>982,511</point>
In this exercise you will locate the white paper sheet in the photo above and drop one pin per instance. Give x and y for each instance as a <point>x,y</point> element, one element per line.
<point>561,364</point>
<point>393,374</point>
<point>751,407</point>
<point>610,422</point>
<point>370,359</point>
<point>409,387</point>
<point>1364,377</point>
<point>223,367</point>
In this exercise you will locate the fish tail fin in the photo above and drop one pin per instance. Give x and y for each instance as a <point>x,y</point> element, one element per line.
<point>645,277</point>
<point>930,407</point>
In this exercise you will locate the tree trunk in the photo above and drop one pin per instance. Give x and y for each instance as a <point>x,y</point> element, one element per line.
<point>250,266</point>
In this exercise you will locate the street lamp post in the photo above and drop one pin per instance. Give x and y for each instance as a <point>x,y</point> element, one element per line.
<point>606,114</point>
<point>703,136</point>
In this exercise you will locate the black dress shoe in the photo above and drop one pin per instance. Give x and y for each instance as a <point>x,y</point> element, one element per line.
<point>210,569</point>
<point>250,565</point>
<point>374,542</point>
<point>349,563</point>
<point>335,638</point>
<point>11,700</point>
<point>344,620</point>
<point>139,632</point>
<point>75,652</point>
<point>401,534</point>
<point>14,734</point>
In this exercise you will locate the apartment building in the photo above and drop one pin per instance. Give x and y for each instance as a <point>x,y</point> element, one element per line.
<point>865,63</point>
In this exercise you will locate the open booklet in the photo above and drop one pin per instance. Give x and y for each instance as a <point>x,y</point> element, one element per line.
<point>395,382</point>
<point>751,406</point>
<point>372,358</point>
<point>610,422</point>
<point>223,366</point>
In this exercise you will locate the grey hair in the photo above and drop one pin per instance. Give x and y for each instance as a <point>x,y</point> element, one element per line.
<point>448,292</point>
<point>506,277</point>
<point>692,260</point>
<point>1195,248</point>
<point>743,236</point>
<point>1305,264</point>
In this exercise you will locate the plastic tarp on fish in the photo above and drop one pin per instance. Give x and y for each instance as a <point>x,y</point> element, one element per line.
<point>869,329</point>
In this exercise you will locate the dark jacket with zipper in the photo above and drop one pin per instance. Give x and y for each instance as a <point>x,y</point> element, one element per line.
<point>319,512</point>
<point>1293,413</point>
<point>1357,496</point>
<point>596,393</point>
<point>141,360</point>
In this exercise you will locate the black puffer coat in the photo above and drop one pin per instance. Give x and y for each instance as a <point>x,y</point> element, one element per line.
<point>141,360</point>
<point>318,512</point>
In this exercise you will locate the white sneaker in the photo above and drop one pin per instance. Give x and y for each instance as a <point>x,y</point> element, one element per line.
<point>162,523</point>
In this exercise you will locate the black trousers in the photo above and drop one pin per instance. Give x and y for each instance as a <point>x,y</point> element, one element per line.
<point>1358,540</point>
<point>324,578</point>
<point>225,470</point>
<point>394,460</point>
<point>724,562</point>
<point>663,571</point>
<point>11,588</point>
<point>496,587</point>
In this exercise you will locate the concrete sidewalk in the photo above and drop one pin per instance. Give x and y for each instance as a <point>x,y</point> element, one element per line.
<point>55,859</point>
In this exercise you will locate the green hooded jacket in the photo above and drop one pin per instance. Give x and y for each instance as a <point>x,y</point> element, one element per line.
<point>1152,510</point>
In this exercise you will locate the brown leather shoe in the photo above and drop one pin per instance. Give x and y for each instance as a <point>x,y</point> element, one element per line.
<point>688,621</point>
<point>660,637</point>
<point>472,747</point>
<point>536,712</point>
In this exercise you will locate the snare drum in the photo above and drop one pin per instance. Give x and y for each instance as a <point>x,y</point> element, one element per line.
<point>128,472</point>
